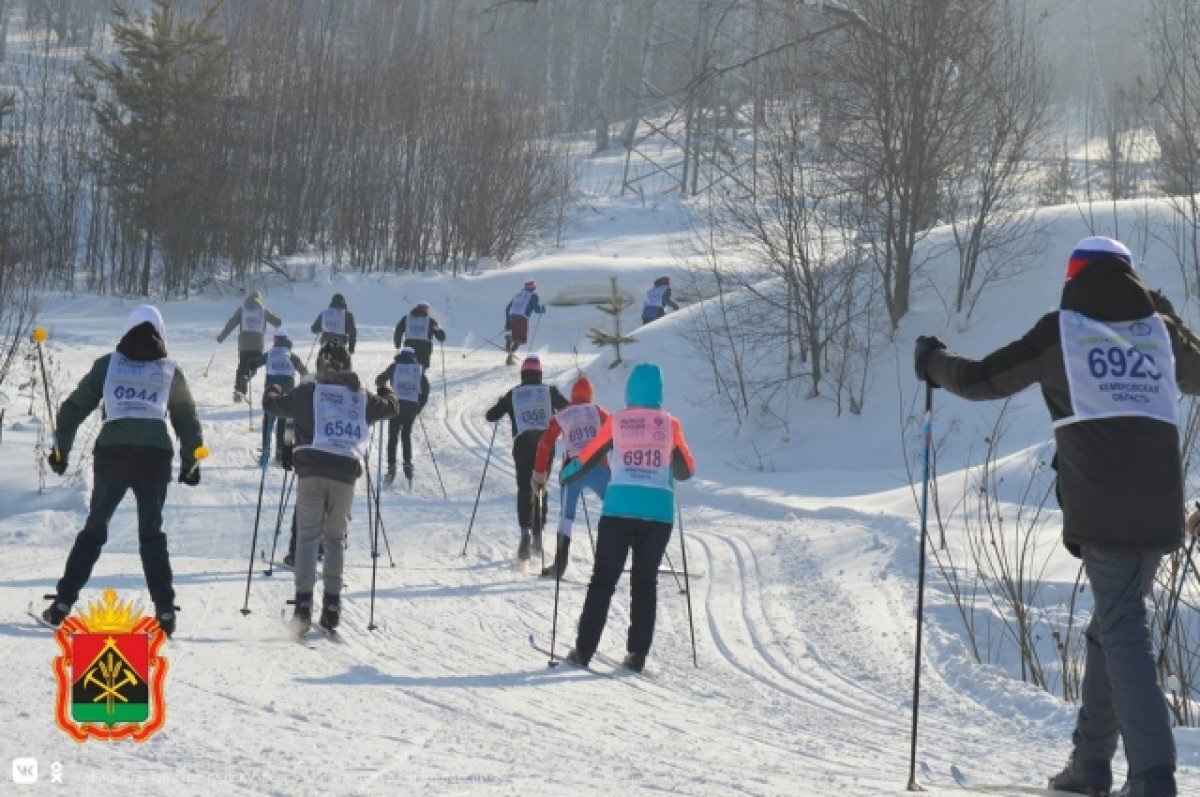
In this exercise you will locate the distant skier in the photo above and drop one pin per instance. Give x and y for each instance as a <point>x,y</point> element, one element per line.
<point>335,324</point>
<point>658,299</point>
<point>516,319</point>
<point>417,330</point>
<point>1111,363</point>
<point>331,418</point>
<point>138,388</point>
<point>649,455</point>
<point>282,367</point>
<point>252,317</point>
<point>529,407</point>
<point>407,379</point>
<point>578,424</point>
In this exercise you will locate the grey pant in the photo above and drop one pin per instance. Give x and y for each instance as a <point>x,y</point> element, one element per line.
<point>1121,695</point>
<point>322,511</point>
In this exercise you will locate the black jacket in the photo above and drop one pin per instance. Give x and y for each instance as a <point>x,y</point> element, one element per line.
<point>298,405</point>
<point>505,406</point>
<point>1119,479</point>
<point>349,340</point>
<point>385,380</point>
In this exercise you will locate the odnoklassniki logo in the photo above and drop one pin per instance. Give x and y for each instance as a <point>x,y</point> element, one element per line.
<point>109,675</point>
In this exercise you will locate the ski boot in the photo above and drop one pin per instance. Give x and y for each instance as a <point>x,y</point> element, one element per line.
<point>1156,782</point>
<point>559,567</point>
<point>1093,777</point>
<point>390,476</point>
<point>56,612</point>
<point>523,547</point>
<point>331,612</point>
<point>408,473</point>
<point>634,661</point>
<point>289,559</point>
<point>537,542</point>
<point>301,613</point>
<point>238,397</point>
<point>511,360</point>
<point>165,615</point>
<point>575,657</point>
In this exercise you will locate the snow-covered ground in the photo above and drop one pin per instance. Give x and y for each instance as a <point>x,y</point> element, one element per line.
<point>803,597</point>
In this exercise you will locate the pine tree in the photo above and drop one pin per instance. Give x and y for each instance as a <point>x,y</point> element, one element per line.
<point>159,116</point>
<point>615,339</point>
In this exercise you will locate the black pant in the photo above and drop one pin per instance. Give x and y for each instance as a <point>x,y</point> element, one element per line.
<point>118,469</point>
<point>615,537</point>
<point>423,350</point>
<point>248,364</point>
<point>400,428</point>
<point>524,455</point>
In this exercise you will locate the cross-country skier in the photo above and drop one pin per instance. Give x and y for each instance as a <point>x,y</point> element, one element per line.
<point>331,418</point>
<point>649,454</point>
<point>516,319</point>
<point>252,318</point>
<point>336,324</point>
<point>138,388</point>
<point>658,299</point>
<point>417,330</point>
<point>282,367</point>
<point>1111,363</point>
<point>529,407</point>
<point>578,424</point>
<point>407,379</point>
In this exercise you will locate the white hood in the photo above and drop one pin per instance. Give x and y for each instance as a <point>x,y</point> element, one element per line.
<point>144,313</point>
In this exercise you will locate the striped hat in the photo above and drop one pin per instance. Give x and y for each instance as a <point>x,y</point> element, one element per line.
<point>1094,248</point>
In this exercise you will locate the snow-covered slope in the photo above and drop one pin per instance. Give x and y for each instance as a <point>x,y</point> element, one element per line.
<point>803,596</point>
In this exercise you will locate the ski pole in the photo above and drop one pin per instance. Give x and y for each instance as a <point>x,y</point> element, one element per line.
<point>445,393</point>
<point>374,558</point>
<point>39,335</point>
<point>537,521</point>
<point>311,349</point>
<point>262,482</point>
<point>927,433</point>
<point>671,565</point>
<point>285,495</point>
<point>554,622</point>
<point>687,589</point>
<point>471,525</point>
<point>487,342</point>
<point>432,458</point>
<point>588,520</point>
<point>250,402</point>
<point>210,359</point>
<point>200,453</point>
<point>379,514</point>
<point>1174,602</point>
<point>537,323</point>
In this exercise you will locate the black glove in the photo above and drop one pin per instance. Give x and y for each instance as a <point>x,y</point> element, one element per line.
<point>273,390</point>
<point>1162,304</point>
<point>58,461</point>
<point>926,346</point>
<point>385,392</point>
<point>285,457</point>
<point>189,473</point>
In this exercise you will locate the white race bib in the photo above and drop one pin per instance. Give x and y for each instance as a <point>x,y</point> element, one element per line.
<point>333,321</point>
<point>254,319</point>
<point>406,381</point>
<point>1118,369</point>
<point>520,304</point>
<point>580,424</point>
<point>654,296</point>
<point>340,421</point>
<point>642,446</point>
<point>279,362</point>
<point>134,389</point>
<point>417,327</point>
<point>531,407</point>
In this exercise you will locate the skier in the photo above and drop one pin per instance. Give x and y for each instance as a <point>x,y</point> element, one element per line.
<point>649,455</point>
<point>336,324</point>
<point>407,380</point>
<point>516,319</point>
<point>252,317</point>
<point>138,388</point>
<point>330,416</point>
<point>282,367</point>
<point>658,299</point>
<point>1111,363</point>
<point>578,424</point>
<point>529,407</point>
<point>418,329</point>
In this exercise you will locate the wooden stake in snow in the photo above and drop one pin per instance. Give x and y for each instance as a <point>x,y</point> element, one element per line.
<point>615,339</point>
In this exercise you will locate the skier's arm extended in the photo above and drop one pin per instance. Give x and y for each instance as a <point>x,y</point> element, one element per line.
<point>500,408</point>
<point>545,449</point>
<point>682,464</point>
<point>184,420</point>
<point>386,377</point>
<point>80,404</point>
<point>234,321</point>
<point>1004,372</point>
<point>593,454</point>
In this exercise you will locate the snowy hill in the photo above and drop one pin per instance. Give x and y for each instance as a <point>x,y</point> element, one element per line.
<point>803,597</point>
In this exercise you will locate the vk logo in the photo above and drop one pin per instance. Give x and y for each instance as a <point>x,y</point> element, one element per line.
<point>25,771</point>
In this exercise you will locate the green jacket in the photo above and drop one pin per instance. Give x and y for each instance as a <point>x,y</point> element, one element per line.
<point>181,409</point>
